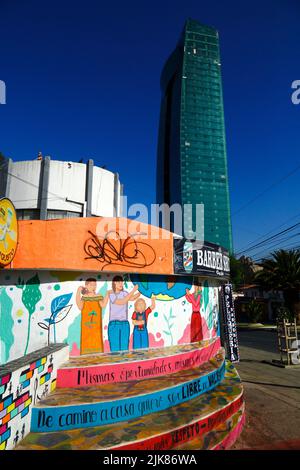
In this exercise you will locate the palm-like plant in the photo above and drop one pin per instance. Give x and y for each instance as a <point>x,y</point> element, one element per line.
<point>241,271</point>
<point>282,272</point>
<point>254,311</point>
<point>2,158</point>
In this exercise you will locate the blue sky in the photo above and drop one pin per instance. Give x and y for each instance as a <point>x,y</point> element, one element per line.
<point>82,81</point>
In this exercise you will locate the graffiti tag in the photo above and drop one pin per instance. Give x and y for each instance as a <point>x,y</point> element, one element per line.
<point>127,251</point>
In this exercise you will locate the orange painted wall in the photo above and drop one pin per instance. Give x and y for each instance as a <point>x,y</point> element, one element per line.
<point>59,244</point>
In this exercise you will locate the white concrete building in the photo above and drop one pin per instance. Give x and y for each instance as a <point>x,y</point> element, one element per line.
<point>52,189</point>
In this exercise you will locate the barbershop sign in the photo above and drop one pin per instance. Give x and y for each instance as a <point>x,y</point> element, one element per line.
<point>231,338</point>
<point>202,258</point>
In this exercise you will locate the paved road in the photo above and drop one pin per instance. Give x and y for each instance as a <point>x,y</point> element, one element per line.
<point>272,395</point>
<point>262,340</point>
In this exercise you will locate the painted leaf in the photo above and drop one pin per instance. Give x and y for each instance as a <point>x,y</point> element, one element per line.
<point>209,316</point>
<point>43,326</point>
<point>31,294</point>
<point>61,315</point>
<point>60,302</point>
<point>167,333</point>
<point>20,283</point>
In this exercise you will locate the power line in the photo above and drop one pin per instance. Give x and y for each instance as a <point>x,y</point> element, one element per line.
<point>34,199</point>
<point>269,238</point>
<point>266,190</point>
<point>280,242</point>
<point>57,196</point>
<point>289,247</point>
<point>33,185</point>
<point>269,232</point>
<point>277,241</point>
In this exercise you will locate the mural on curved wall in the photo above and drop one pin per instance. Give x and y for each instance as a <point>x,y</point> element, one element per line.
<point>103,312</point>
<point>22,387</point>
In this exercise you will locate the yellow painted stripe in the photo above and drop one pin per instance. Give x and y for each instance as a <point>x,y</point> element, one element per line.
<point>27,402</point>
<point>10,408</point>
<point>42,380</point>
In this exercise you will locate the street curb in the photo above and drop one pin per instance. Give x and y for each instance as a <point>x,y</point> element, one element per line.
<point>281,365</point>
<point>248,328</point>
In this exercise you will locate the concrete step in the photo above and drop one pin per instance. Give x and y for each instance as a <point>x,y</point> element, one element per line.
<point>70,408</point>
<point>179,425</point>
<point>221,437</point>
<point>102,369</point>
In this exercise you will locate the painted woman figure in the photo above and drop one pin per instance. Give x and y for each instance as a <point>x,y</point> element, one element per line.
<point>215,314</point>
<point>140,320</point>
<point>196,321</point>
<point>118,326</point>
<point>91,306</point>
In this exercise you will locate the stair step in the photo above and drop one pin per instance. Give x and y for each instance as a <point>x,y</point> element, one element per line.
<point>232,436</point>
<point>165,430</point>
<point>127,356</point>
<point>101,369</point>
<point>84,395</point>
<point>221,437</point>
<point>69,408</point>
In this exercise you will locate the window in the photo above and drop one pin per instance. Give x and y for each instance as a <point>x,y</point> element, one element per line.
<point>56,214</point>
<point>28,214</point>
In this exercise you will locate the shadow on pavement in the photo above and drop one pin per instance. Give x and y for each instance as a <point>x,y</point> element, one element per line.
<point>281,445</point>
<point>271,384</point>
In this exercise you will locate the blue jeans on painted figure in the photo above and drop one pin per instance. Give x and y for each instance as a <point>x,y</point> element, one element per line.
<point>140,338</point>
<point>118,335</point>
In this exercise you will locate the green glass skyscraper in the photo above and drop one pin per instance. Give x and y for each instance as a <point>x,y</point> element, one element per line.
<point>192,161</point>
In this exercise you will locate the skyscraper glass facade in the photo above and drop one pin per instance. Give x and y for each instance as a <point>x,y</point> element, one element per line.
<point>192,161</point>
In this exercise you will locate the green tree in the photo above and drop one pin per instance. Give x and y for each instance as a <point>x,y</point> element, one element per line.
<point>2,158</point>
<point>241,271</point>
<point>254,311</point>
<point>31,295</point>
<point>282,272</point>
<point>283,313</point>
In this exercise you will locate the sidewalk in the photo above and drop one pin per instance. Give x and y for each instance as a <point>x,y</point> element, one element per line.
<point>272,396</point>
<point>259,327</point>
